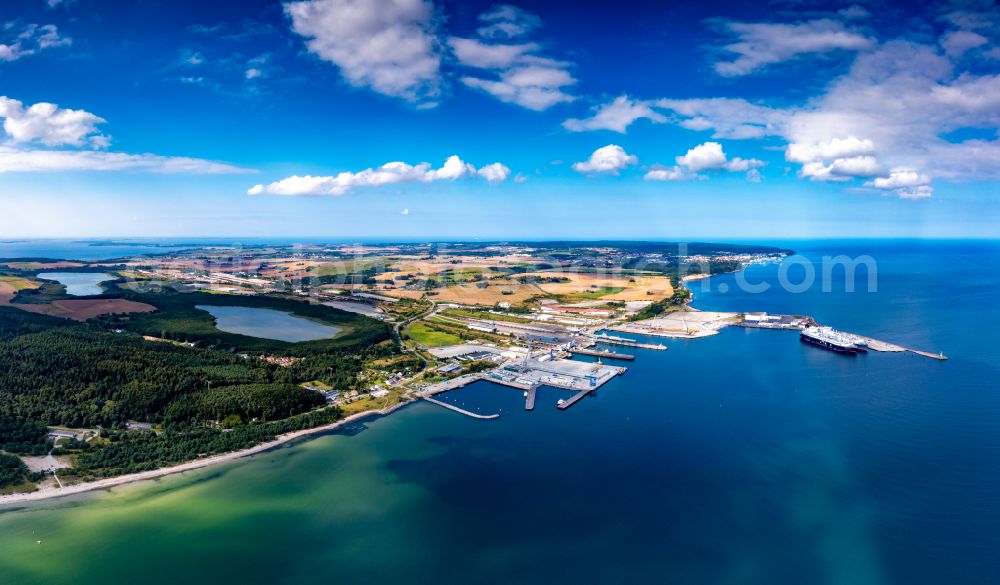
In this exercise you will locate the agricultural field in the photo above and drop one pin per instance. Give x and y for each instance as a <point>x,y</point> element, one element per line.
<point>17,283</point>
<point>76,309</point>
<point>42,265</point>
<point>10,285</point>
<point>605,286</point>
<point>344,267</point>
<point>496,292</point>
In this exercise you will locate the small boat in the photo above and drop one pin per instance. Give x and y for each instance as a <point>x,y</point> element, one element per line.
<point>560,402</point>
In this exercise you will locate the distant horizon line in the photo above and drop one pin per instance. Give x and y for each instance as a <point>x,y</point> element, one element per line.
<point>460,239</point>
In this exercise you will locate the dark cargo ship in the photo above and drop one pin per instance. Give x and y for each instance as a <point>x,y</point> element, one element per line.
<point>827,338</point>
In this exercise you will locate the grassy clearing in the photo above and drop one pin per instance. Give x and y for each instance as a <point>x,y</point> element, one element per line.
<point>369,403</point>
<point>597,293</point>
<point>20,488</point>
<point>424,334</point>
<point>317,384</point>
<point>466,313</point>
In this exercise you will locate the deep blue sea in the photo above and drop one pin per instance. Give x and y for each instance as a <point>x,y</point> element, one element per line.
<point>744,458</point>
<point>750,457</point>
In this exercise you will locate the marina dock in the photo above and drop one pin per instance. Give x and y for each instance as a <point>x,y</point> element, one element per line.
<point>460,410</point>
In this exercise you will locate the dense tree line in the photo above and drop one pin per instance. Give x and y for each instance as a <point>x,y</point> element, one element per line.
<point>12,471</point>
<point>57,372</point>
<point>143,451</point>
<point>263,401</point>
<point>23,436</point>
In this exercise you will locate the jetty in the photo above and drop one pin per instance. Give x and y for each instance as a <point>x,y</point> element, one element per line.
<point>576,398</point>
<point>529,401</point>
<point>879,345</point>
<point>614,340</point>
<point>602,354</point>
<point>460,410</point>
<point>452,384</point>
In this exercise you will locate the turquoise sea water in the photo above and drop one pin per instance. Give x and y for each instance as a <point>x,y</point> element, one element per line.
<point>268,324</point>
<point>747,457</point>
<point>79,284</point>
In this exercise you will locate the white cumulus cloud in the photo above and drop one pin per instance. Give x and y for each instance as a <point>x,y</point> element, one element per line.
<point>388,174</point>
<point>607,159</point>
<point>834,148</point>
<point>667,174</point>
<point>494,173</point>
<point>708,156</point>
<point>389,46</point>
<point>841,169</point>
<point>905,183</point>
<point>704,156</point>
<point>49,124</point>
<point>615,115</point>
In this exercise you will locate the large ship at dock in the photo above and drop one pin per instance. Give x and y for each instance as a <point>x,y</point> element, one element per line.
<point>832,340</point>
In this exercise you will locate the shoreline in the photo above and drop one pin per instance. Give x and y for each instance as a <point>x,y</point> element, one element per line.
<point>50,493</point>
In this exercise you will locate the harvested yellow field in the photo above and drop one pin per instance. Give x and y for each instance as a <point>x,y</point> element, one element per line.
<point>610,287</point>
<point>493,294</point>
<point>420,266</point>
<point>469,294</point>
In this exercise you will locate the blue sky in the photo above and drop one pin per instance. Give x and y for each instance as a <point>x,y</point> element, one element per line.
<point>421,118</point>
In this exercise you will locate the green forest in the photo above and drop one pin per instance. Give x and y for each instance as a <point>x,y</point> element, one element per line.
<point>213,397</point>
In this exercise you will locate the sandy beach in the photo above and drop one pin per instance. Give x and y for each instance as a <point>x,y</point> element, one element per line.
<point>47,493</point>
